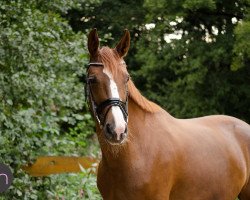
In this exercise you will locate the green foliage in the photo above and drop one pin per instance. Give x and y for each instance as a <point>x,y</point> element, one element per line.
<point>191,76</point>
<point>198,4</point>
<point>41,59</point>
<point>242,46</point>
<point>75,186</point>
<point>195,59</point>
<point>108,17</point>
<point>77,140</point>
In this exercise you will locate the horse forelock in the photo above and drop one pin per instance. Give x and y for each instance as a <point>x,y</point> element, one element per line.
<point>111,60</point>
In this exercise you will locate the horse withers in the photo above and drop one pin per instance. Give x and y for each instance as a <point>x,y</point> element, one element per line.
<point>149,155</point>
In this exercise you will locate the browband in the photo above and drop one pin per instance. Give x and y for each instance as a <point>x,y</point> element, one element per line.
<point>95,64</point>
<point>99,64</point>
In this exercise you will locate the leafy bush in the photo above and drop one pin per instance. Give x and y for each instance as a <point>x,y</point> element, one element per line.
<point>41,59</point>
<point>75,186</point>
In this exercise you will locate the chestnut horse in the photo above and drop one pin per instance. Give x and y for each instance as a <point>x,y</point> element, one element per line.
<point>149,155</point>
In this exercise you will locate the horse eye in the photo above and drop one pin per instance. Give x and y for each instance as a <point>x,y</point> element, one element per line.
<point>92,79</point>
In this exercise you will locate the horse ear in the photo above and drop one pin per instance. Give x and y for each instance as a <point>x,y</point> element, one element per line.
<point>93,42</point>
<point>123,46</point>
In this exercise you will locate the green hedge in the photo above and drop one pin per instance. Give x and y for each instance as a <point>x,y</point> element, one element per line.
<point>41,95</point>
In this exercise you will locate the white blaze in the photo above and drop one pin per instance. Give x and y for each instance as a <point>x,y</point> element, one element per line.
<point>119,122</point>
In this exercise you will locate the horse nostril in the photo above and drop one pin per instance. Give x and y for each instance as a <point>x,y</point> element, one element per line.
<point>109,131</point>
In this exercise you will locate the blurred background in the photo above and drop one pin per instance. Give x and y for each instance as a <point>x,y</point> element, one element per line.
<point>192,57</point>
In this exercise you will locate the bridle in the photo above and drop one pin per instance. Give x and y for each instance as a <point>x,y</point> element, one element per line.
<point>108,103</point>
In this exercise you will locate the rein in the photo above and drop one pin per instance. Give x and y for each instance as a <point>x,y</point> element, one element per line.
<point>108,103</point>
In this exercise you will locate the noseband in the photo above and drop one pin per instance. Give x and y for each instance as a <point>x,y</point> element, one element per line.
<point>98,110</point>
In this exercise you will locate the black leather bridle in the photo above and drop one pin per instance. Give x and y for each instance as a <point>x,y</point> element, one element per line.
<point>98,110</point>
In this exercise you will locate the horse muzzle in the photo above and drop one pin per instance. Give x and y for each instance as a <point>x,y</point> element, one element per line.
<point>115,134</point>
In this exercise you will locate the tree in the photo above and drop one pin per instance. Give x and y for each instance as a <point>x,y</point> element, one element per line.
<point>194,75</point>
<point>111,18</point>
<point>202,70</point>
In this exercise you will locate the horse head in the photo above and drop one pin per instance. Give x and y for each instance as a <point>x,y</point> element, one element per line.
<point>106,87</point>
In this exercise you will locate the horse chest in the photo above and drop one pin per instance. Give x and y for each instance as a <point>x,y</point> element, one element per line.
<point>138,181</point>
<point>133,186</point>
<point>135,175</point>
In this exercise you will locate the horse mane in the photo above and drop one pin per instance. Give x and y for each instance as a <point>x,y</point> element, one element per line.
<point>111,59</point>
<point>140,100</point>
